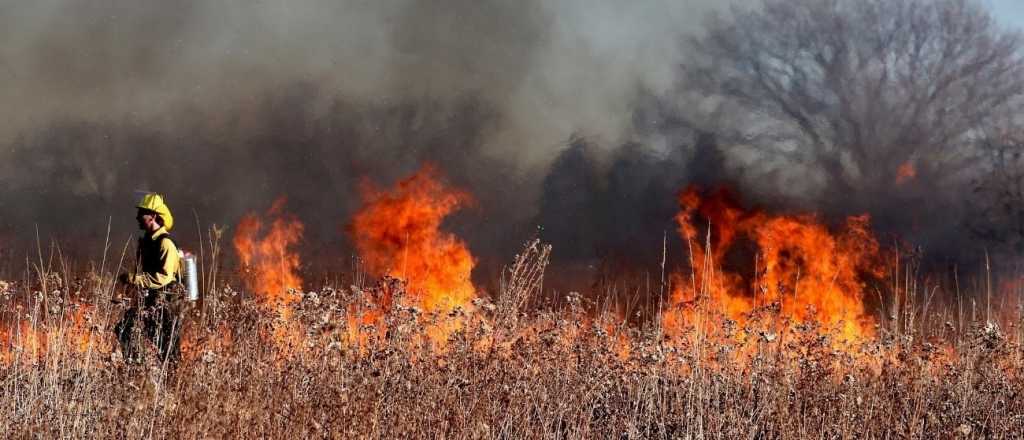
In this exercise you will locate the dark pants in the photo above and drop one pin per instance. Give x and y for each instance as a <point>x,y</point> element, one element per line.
<point>160,316</point>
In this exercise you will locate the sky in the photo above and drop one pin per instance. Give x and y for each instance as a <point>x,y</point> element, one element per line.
<point>1010,12</point>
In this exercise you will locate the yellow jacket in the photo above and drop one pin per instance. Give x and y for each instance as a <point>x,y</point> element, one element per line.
<point>157,263</point>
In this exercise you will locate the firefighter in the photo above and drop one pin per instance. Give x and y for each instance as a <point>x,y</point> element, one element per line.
<point>157,296</point>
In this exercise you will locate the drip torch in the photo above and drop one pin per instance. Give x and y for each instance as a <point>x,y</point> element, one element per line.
<point>191,280</point>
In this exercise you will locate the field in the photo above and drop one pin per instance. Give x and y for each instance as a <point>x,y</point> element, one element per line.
<point>513,219</point>
<point>502,370</point>
<point>827,336</point>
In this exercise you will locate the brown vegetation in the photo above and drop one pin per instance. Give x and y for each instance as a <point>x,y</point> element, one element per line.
<point>511,370</point>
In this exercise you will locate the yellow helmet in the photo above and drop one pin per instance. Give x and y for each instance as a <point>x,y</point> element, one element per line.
<point>155,202</point>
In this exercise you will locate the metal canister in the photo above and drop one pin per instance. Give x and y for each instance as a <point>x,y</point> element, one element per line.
<point>191,278</point>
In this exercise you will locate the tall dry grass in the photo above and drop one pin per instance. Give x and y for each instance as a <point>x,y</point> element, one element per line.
<point>512,370</point>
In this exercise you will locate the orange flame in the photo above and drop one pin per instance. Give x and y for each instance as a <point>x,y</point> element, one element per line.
<point>398,233</point>
<point>29,340</point>
<point>905,173</point>
<point>269,258</point>
<point>810,273</point>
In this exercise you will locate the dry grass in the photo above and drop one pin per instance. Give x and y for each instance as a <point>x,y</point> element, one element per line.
<point>507,373</point>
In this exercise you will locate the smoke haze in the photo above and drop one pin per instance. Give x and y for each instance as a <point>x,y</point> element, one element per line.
<point>226,105</point>
<point>561,118</point>
<point>549,68</point>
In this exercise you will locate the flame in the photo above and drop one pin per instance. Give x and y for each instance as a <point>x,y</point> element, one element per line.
<point>28,340</point>
<point>905,173</point>
<point>398,233</point>
<point>269,257</point>
<point>271,265</point>
<point>809,273</point>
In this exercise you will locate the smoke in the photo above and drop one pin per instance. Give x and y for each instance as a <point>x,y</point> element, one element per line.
<point>224,106</point>
<point>564,119</point>
<point>611,213</point>
<point>549,67</point>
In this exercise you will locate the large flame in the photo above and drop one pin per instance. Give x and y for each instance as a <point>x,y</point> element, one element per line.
<point>268,256</point>
<point>808,272</point>
<point>398,233</point>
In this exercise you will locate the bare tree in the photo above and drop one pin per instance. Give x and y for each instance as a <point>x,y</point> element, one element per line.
<point>998,202</point>
<point>859,88</point>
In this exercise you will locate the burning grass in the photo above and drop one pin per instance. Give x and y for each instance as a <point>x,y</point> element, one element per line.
<point>505,372</point>
<point>398,233</point>
<point>801,267</point>
<point>792,349</point>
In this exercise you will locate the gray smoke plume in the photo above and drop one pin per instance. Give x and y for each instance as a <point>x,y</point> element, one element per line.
<point>224,106</point>
<point>570,120</point>
<point>549,67</point>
